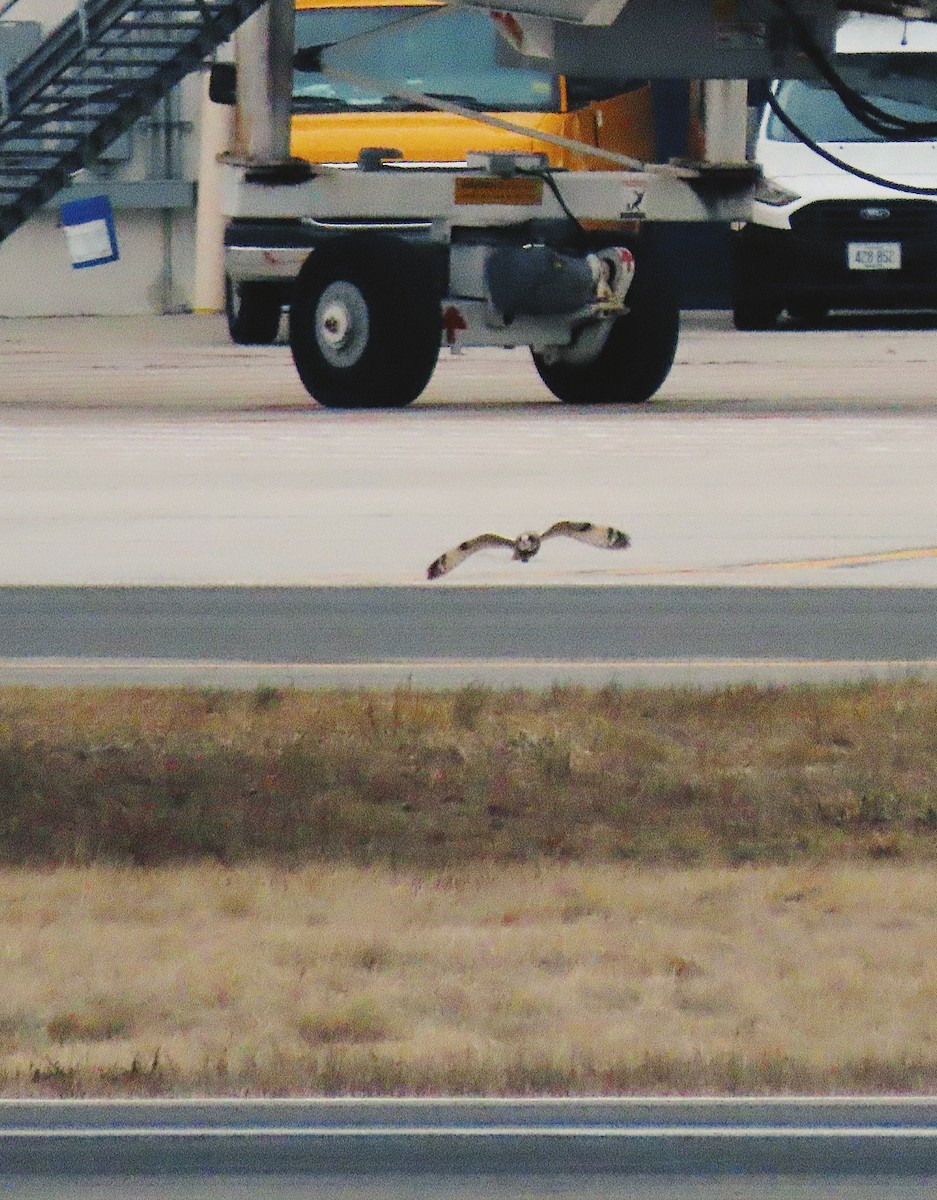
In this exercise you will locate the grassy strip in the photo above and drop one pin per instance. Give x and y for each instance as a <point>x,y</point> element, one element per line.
<point>349,1072</point>
<point>428,780</point>
<point>525,979</point>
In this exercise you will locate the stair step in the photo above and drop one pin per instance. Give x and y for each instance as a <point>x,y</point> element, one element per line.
<point>138,24</point>
<point>29,138</point>
<point>153,33</point>
<point>68,97</point>
<point>166,35</point>
<point>32,165</point>
<point>89,103</point>
<point>35,128</point>
<point>88,87</point>
<point>91,110</point>
<point>26,148</point>
<point>96,72</point>
<point>80,89</point>
<point>182,7</point>
<point>25,143</point>
<point>139,55</point>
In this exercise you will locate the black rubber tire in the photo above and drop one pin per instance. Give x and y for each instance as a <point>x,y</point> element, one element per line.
<point>366,321</point>
<point>253,311</point>
<point>753,315</point>
<point>756,281</point>
<point>806,314</point>
<point>637,355</point>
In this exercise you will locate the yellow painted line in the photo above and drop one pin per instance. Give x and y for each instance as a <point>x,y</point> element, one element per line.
<point>851,560</point>
<point>794,564</point>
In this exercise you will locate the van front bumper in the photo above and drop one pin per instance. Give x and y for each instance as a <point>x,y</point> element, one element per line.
<point>809,262</point>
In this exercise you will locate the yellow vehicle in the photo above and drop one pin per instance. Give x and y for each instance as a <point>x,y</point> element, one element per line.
<point>450,53</point>
<point>454,54</point>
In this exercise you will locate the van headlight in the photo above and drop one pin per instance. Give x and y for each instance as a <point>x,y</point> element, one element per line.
<point>768,192</point>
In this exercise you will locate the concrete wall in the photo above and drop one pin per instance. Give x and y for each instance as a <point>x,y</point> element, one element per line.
<point>154,273</point>
<point>150,176</point>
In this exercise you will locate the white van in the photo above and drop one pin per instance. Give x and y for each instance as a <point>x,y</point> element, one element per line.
<point>819,237</point>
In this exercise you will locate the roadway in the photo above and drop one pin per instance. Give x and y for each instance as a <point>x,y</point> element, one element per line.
<point>235,636</point>
<point>257,533</point>
<point>279,1187</point>
<point>377,1149</point>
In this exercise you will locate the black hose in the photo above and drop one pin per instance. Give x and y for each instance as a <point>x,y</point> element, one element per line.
<point>869,176</point>
<point>546,175</point>
<point>874,118</point>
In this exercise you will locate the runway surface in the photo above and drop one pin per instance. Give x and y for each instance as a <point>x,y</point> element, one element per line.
<point>371,498</point>
<point>149,454</point>
<point>177,365</point>
<point>456,635</point>
<point>507,1149</point>
<point>532,1188</point>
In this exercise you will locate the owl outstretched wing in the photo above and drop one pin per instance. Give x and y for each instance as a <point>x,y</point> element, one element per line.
<point>606,537</point>
<point>446,562</point>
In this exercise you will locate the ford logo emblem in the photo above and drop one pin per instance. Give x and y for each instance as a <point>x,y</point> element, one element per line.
<point>874,214</point>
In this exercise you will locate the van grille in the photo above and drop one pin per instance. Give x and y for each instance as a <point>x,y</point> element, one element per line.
<point>841,220</point>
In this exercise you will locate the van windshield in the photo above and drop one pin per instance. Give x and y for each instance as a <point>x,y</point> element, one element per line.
<point>450,53</point>
<point>823,117</point>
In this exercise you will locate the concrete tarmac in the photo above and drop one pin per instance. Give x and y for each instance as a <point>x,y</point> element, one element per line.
<point>150,453</point>
<point>369,499</point>
<point>186,364</point>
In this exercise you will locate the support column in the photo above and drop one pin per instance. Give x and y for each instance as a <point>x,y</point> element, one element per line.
<point>265,45</point>
<point>725,120</point>
<point>217,128</point>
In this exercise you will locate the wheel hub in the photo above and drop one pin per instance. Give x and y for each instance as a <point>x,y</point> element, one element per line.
<point>335,325</point>
<point>341,323</point>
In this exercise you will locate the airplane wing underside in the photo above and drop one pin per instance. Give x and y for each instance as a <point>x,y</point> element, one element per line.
<point>673,39</point>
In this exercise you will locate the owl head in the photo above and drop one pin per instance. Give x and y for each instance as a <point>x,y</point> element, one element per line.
<point>526,546</point>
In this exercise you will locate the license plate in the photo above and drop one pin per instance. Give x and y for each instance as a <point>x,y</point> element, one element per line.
<point>874,256</point>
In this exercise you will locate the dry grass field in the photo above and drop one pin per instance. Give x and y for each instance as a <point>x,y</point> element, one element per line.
<point>564,892</point>
<point>549,979</point>
<point>422,779</point>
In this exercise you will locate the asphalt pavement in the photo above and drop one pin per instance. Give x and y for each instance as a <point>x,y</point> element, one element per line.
<point>370,1144</point>
<point>576,1187</point>
<point>320,636</point>
<point>173,506</point>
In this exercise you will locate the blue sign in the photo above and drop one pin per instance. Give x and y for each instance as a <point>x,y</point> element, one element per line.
<point>89,231</point>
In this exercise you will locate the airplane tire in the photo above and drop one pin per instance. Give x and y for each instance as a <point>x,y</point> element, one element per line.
<point>637,355</point>
<point>366,322</point>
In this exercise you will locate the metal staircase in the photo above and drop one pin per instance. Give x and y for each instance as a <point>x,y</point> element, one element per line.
<point>106,65</point>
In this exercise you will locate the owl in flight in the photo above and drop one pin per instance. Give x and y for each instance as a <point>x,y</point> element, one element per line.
<point>526,545</point>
